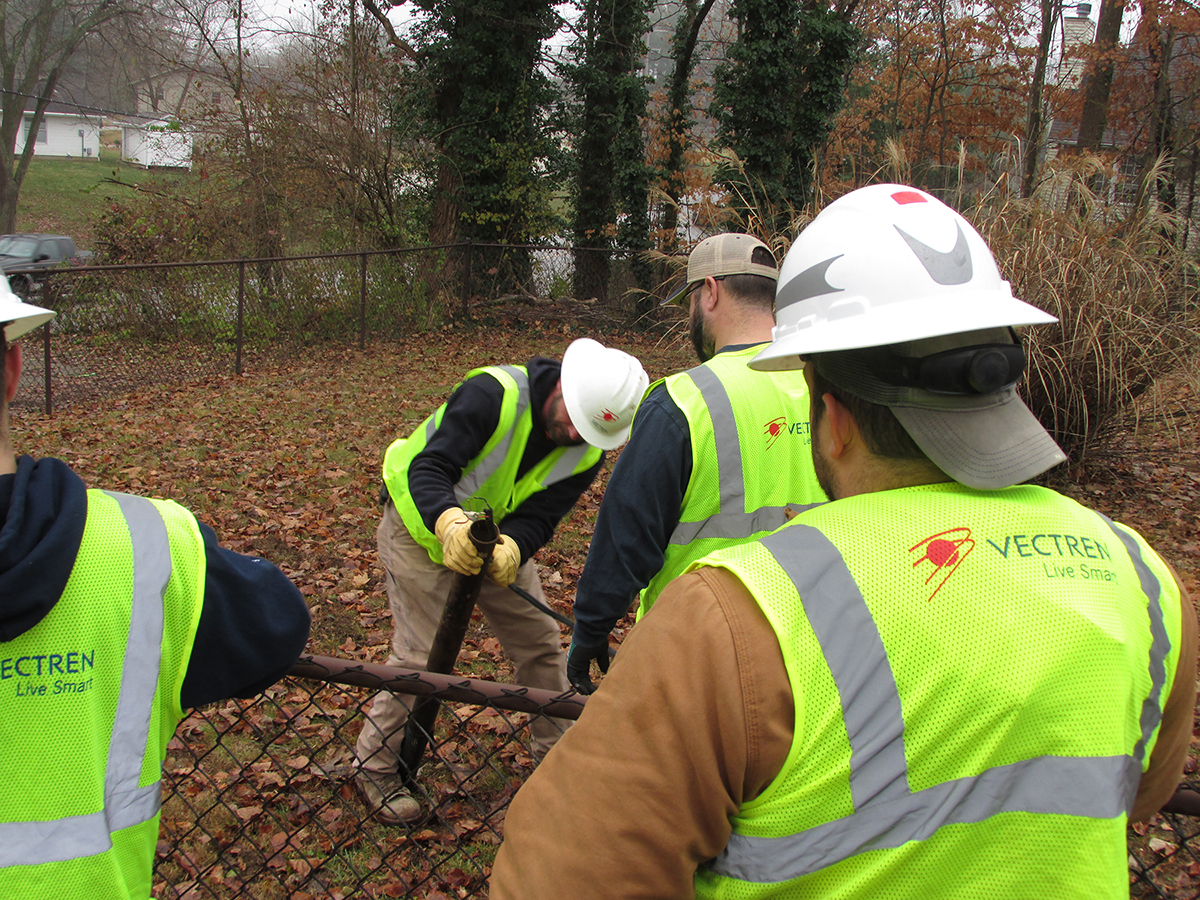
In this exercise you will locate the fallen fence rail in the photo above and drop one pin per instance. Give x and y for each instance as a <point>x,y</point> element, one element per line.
<point>259,798</point>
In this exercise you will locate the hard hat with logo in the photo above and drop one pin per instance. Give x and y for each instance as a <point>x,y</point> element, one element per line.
<point>885,264</point>
<point>897,300</point>
<point>16,315</point>
<point>601,388</point>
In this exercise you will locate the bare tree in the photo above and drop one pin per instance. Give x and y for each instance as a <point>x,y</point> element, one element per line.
<point>1098,85</point>
<point>1035,123</point>
<point>37,40</point>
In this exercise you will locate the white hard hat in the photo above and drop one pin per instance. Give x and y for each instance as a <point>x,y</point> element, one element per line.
<point>886,264</point>
<point>601,387</point>
<point>19,315</point>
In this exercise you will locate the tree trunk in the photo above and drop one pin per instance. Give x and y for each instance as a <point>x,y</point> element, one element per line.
<point>1162,118</point>
<point>1034,122</point>
<point>678,119</point>
<point>1098,84</point>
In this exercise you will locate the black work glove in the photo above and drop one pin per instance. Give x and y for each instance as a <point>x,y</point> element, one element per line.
<point>579,662</point>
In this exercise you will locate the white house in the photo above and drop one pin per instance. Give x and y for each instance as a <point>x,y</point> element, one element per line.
<point>64,131</point>
<point>155,143</point>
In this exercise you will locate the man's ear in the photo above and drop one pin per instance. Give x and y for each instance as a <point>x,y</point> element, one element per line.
<point>709,301</point>
<point>12,371</point>
<point>843,430</point>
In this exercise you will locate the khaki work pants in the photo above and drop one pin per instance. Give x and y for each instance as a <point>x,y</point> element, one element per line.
<point>417,590</point>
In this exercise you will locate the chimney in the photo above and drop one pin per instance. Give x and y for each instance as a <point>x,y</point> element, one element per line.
<point>1078,31</point>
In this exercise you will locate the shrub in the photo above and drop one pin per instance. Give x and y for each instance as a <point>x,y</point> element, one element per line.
<point>1125,298</point>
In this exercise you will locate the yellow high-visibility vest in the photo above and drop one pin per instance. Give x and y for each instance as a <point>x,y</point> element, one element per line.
<point>979,679</point>
<point>491,477</point>
<point>751,458</point>
<point>89,698</point>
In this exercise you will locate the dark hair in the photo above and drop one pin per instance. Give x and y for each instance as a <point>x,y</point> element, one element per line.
<point>3,359</point>
<point>754,290</point>
<point>881,430</point>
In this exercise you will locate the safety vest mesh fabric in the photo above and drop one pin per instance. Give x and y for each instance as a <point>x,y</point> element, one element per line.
<point>978,681</point>
<point>751,458</point>
<point>491,477</point>
<point>89,698</point>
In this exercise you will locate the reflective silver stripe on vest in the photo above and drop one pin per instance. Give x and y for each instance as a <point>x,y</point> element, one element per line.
<point>732,522</point>
<point>1159,648</point>
<point>566,465</point>
<point>737,525</point>
<point>125,803</point>
<point>887,814</point>
<point>470,483</point>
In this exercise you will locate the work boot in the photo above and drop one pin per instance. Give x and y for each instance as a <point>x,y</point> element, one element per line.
<point>389,800</point>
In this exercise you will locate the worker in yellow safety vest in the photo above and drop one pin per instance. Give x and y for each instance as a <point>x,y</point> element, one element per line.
<point>525,441</point>
<point>945,683</point>
<point>717,455</point>
<point>117,612</point>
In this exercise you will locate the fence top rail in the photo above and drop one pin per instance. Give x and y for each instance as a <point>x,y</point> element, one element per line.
<point>77,271</point>
<point>341,254</point>
<point>446,687</point>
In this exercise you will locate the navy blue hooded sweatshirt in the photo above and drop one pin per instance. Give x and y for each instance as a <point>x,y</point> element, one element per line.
<point>253,624</point>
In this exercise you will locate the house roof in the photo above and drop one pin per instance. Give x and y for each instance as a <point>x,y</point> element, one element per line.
<point>60,108</point>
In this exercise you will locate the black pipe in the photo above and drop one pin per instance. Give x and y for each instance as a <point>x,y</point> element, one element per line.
<point>456,617</point>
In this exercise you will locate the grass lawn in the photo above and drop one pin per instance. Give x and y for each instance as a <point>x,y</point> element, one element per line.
<point>66,196</point>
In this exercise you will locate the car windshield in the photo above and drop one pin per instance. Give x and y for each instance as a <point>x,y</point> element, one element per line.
<point>15,245</point>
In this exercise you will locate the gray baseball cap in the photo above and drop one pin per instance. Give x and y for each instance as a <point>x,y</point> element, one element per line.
<point>971,424</point>
<point>721,255</point>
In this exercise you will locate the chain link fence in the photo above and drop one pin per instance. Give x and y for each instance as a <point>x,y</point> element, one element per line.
<point>259,799</point>
<point>119,328</point>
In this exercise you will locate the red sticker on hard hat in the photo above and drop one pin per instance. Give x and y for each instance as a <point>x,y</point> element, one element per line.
<point>908,197</point>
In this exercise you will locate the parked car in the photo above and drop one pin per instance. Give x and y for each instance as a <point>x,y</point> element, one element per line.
<point>25,258</point>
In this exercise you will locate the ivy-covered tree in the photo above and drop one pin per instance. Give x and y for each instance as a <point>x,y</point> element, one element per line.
<point>611,176</point>
<point>488,98</point>
<point>775,98</point>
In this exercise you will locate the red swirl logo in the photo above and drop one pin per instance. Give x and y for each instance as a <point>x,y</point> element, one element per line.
<point>944,552</point>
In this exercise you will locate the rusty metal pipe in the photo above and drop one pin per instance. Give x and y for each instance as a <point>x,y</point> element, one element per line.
<point>453,688</point>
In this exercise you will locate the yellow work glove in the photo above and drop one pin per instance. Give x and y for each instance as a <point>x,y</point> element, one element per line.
<point>453,530</point>
<point>506,559</point>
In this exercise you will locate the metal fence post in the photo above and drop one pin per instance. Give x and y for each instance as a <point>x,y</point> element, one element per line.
<point>240,312</point>
<point>362,303</point>
<point>466,284</point>
<point>46,354</point>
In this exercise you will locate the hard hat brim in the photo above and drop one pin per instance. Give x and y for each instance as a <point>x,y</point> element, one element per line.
<point>25,317</point>
<point>844,329</point>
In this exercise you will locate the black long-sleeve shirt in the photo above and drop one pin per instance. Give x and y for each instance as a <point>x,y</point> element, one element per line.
<point>641,509</point>
<point>471,416</point>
